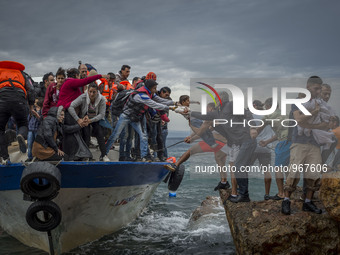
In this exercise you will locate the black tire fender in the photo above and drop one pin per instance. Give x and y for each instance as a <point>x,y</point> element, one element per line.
<point>176,178</point>
<point>43,216</point>
<point>41,180</point>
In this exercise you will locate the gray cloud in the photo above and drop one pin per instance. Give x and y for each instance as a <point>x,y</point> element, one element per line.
<point>175,39</point>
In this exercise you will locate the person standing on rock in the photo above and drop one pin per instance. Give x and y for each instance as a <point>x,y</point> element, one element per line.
<point>305,152</point>
<point>282,149</point>
<point>263,153</point>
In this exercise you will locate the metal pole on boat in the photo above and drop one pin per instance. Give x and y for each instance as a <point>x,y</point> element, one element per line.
<point>49,234</point>
<point>170,145</point>
<point>50,242</point>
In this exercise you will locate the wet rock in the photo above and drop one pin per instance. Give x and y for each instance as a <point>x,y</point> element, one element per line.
<point>208,206</point>
<point>330,194</point>
<point>260,228</point>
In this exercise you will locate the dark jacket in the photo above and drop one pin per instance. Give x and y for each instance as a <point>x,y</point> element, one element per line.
<point>33,122</point>
<point>48,127</point>
<point>235,134</point>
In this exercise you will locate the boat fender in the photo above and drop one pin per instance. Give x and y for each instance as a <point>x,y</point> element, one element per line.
<point>176,178</point>
<point>41,180</point>
<point>43,216</point>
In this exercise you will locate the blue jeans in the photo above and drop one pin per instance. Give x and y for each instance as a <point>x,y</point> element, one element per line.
<point>30,139</point>
<point>125,141</point>
<point>244,159</point>
<point>121,124</point>
<point>207,136</point>
<point>164,136</point>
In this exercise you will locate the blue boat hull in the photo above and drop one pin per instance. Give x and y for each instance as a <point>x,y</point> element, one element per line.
<point>96,198</point>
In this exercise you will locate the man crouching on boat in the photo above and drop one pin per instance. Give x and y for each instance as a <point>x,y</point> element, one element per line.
<point>134,110</point>
<point>45,147</point>
<point>92,109</point>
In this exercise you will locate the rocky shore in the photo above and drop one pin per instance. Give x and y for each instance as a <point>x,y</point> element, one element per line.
<point>259,227</point>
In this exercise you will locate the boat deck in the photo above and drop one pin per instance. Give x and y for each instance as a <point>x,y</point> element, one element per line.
<point>18,157</point>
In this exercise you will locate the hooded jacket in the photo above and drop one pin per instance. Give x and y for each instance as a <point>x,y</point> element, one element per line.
<point>83,101</point>
<point>48,127</point>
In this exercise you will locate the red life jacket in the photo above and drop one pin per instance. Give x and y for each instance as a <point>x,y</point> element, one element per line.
<point>137,110</point>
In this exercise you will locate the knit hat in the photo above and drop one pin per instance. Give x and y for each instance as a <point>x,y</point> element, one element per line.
<point>150,84</point>
<point>151,76</point>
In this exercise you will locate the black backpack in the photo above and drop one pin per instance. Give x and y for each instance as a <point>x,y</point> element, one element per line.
<point>120,100</point>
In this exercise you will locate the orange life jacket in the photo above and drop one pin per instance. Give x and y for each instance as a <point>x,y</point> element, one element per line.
<point>127,85</point>
<point>11,76</point>
<point>108,91</point>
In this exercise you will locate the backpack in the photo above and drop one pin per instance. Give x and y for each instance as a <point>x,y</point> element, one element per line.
<point>120,100</point>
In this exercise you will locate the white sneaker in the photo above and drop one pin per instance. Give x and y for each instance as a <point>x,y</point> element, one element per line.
<point>105,159</point>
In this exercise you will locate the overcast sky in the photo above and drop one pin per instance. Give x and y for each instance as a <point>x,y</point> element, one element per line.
<point>177,40</point>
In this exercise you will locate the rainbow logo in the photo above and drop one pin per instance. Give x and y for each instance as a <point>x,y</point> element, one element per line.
<point>209,93</point>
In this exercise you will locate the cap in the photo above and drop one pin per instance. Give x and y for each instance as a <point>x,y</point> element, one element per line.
<point>151,76</point>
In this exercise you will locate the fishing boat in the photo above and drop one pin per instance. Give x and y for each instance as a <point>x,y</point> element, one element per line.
<point>95,199</point>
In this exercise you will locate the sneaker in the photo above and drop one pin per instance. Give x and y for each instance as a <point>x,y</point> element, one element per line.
<point>171,167</point>
<point>311,207</point>
<point>128,159</point>
<point>10,135</point>
<point>285,209</point>
<point>147,159</point>
<point>231,196</point>
<point>276,197</point>
<point>138,159</point>
<point>105,159</point>
<point>22,143</point>
<point>267,197</point>
<point>4,161</point>
<point>28,160</point>
<point>239,199</point>
<point>222,186</point>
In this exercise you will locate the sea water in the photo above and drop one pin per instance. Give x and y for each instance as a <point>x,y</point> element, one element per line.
<point>163,227</point>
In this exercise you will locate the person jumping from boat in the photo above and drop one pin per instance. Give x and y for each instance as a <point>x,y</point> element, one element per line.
<point>16,90</point>
<point>202,147</point>
<point>134,110</point>
<point>235,134</point>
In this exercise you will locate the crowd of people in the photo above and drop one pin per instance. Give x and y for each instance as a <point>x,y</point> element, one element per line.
<point>311,147</point>
<point>59,121</point>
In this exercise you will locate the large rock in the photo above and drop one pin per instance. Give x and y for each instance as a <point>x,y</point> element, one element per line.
<point>208,206</point>
<point>330,193</point>
<point>260,228</point>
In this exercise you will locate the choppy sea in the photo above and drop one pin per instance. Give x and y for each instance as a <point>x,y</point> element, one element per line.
<point>163,227</point>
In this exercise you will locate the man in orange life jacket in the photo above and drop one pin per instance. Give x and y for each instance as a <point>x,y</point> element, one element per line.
<point>108,89</point>
<point>134,110</point>
<point>15,90</point>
